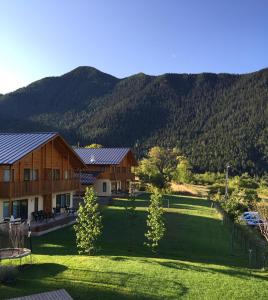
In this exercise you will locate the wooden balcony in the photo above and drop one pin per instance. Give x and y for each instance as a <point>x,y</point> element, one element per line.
<point>121,176</point>
<point>41,187</point>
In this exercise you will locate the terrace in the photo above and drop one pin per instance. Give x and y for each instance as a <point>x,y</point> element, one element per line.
<point>45,225</point>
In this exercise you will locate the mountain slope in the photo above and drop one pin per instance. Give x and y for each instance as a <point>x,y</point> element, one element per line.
<point>214,118</point>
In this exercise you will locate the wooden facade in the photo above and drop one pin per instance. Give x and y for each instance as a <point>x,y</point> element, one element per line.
<point>49,169</point>
<point>118,176</point>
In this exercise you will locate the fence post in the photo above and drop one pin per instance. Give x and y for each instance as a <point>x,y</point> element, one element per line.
<point>263,262</point>
<point>249,257</point>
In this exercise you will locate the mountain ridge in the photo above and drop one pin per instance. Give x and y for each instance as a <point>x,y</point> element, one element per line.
<point>214,118</point>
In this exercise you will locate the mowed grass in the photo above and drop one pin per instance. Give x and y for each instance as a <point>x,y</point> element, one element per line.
<point>194,260</point>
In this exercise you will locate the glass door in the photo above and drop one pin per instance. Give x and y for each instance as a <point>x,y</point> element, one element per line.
<point>20,209</point>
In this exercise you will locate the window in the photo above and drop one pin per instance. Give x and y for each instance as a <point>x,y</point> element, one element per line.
<point>20,209</point>
<point>36,204</point>
<point>66,174</point>
<point>63,200</point>
<point>6,175</point>
<point>35,174</point>
<point>68,200</point>
<point>27,174</point>
<point>56,174</point>
<point>118,170</point>
<point>104,187</point>
<point>6,209</point>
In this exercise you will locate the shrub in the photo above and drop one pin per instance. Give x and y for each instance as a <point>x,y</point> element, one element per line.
<point>244,181</point>
<point>8,274</point>
<point>240,200</point>
<point>209,178</point>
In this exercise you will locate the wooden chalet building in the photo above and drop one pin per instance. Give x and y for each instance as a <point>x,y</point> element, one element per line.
<point>109,170</point>
<point>37,172</point>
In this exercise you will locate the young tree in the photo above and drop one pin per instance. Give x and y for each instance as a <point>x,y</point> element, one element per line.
<point>183,173</point>
<point>155,222</point>
<point>131,218</point>
<point>89,225</point>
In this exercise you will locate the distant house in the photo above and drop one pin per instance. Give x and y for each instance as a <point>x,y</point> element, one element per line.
<point>37,173</point>
<point>109,170</point>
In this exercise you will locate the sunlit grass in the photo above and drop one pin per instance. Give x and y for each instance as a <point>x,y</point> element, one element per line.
<point>194,260</point>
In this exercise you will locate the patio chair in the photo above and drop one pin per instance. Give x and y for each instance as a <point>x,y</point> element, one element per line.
<point>71,211</point>
<point>41,215</point>
<point>67,209</point>
<point>56,211</point>
<point>35,216</point>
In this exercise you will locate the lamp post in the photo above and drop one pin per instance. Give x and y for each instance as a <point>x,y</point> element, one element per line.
<point>226,180</point>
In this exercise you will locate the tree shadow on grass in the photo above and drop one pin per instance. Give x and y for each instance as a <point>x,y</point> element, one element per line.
<point>191,238</point>
<point>90,284</point>
<point>240,273</point>
<point>195,201</point>
<point>40,270</point>
<point>122,203</point>
<point>188,237</point>
<point>131,281</point>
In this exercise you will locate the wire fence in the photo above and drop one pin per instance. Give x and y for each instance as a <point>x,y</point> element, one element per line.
<point>249,240</point>
<point>13,235</point>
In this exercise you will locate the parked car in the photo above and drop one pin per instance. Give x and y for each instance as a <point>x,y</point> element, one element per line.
<point>251,218</point>
<point>253,222</point>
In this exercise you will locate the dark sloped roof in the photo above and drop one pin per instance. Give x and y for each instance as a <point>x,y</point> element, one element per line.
<point>87,178</point>
<point>102,156</point>
<point>14,146</point>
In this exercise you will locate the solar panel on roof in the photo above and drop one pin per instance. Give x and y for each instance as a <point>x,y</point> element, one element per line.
<point>14,146</point>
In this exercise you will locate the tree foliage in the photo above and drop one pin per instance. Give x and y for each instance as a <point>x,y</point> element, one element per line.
<point>239,201</point>
<point>155,222</point>
<point>89,224</point>
<point>183,172</point>
<point>213,118</point>
<point>94,146</point>
<point>262,209</point>
<point>158,168</point>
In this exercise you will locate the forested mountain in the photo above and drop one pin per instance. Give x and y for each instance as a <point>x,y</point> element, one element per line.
<point>213,118</point>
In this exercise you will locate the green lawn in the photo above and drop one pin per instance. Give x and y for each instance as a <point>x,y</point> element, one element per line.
<point>194,260</point>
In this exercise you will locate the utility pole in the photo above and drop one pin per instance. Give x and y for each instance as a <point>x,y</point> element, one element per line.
<point>226,181</point>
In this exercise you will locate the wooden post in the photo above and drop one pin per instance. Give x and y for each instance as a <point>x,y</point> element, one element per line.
<point>52,145</point>
<point>32,179</point>
<point>41,171</point>
<point>10,200</point>
<point>68,171</point>
<point>80,191</point>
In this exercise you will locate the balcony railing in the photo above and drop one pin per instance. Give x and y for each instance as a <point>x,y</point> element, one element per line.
<point>28,188</point>
<point>122,176</point>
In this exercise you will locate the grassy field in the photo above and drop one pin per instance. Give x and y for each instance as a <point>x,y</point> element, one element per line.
<point>194,260</point>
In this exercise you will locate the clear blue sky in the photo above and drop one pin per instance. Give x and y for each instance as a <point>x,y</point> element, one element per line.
<point>41,38</point>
